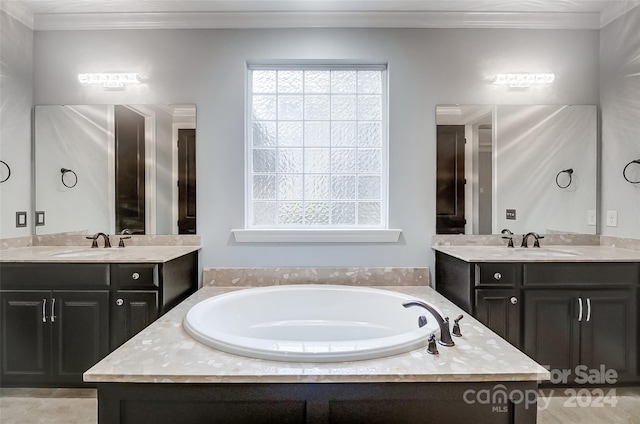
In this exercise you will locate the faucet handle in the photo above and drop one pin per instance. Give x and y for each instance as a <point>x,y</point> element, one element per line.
<point>432,348</point>
<point>537,242</point>
<point>95,240</point>
<point>456,327</point>
<point>122,239</point>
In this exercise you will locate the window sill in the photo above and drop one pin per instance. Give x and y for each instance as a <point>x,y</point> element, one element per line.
<point>317,235</point>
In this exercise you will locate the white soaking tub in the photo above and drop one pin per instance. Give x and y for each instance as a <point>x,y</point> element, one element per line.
<point>310,323</point>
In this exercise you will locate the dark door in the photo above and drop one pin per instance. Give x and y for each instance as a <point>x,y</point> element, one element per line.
<point>609,331</point>
<point>450,180</point>
<point>500,311</point>
<point>132,311</point>
<point>551,328</point>
<point>80,331</point>
<point>25,336</point>
<point>130,170</point>
<point>186,181</point>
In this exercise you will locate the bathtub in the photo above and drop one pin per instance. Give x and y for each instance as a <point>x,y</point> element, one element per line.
<point>310,323</point>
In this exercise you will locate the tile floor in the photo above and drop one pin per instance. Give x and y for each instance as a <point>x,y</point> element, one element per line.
<point>78,406</point>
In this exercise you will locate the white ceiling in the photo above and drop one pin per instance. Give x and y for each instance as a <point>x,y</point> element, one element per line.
<point>120,14</point>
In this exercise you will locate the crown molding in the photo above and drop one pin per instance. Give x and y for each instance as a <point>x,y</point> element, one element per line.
<point>337,19</point>
<point>18,11</point>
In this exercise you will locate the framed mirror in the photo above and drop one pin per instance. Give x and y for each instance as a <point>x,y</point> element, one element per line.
<point>521,167</point>
<point>107,168</point>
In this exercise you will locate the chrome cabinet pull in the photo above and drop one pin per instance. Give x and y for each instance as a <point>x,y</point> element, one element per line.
<point>497,276</point>
<point>44,310</point>
<point>53,310</point>
<point>588,309</point>
<point>580,310</point>
<point>135,275</point>
<point>119,302</point>
<point>513,300</point>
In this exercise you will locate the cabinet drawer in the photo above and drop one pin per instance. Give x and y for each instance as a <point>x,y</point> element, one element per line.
<point>136,275</point>
<point>58,276</point>
<point>497,274</point>
<point>570,273</point>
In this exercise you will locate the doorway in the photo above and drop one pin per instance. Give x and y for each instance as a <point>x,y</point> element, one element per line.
<point>186,181</point>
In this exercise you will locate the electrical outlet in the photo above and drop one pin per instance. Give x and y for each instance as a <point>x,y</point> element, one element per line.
<point>591,217</point>
<point>612,218</point>
<point>21,219</point>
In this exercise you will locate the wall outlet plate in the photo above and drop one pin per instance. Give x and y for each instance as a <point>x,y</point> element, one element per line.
<point>21,219</point>
<point>612,218</point>
<point>591,217</point>
<point>39,218</point>
<point>511,214</point>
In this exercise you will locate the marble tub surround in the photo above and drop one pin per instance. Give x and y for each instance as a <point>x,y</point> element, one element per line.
<point>361,276</point>
<point>497,240</point>
<point>164,353</point>
<point>85,254</point>
<point>547,253</point>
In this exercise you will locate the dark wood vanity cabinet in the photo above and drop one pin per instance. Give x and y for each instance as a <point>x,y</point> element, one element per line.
<point>563,315</point>
<point>58,320</point>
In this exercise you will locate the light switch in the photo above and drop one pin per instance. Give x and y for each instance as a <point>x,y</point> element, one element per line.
<point>39,218</point>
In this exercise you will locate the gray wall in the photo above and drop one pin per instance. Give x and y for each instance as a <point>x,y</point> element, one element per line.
<point>620,103</point>
<point>16,72</point>
<point>426,67</point>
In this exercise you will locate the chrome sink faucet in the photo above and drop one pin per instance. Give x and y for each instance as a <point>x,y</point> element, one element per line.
<point>95,238</point>
<point>535,235</point>
<point>445,333</point>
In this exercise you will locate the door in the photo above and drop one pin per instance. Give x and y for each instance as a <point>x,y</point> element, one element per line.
<point>186,181</point>
<point>132,311</point>
<point>130,170</point>
<point>450,180</point>
<point>609,331</point>
<point>551,327</point>
<point>80,328</point>
<point>500,311</point>
<point>25,336</point>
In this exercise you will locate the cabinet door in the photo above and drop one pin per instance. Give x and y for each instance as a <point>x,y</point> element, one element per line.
<point>500,311</point>
<point>551,327</point>
<point>25,337</point>
<point>80,328</point>
<point>132,311</point>
<point>608,335</point>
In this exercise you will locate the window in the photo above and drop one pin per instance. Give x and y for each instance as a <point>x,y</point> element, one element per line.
<point>317,147</point>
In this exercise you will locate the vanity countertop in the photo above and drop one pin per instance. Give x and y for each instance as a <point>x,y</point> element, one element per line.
<point>164,353</point>
<point>80,254</point>
<point>560,253</point>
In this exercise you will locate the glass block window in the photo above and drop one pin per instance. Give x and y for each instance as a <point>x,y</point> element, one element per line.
<point>317,147</point>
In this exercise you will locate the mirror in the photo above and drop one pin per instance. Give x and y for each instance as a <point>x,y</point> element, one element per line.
<point>521,167</point>
<point>106,168</point>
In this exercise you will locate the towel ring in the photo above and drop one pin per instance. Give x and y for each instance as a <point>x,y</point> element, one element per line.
<point>568,171</point>
<point>624,171</point>
<point>8,171</point>
<point>65,171</point>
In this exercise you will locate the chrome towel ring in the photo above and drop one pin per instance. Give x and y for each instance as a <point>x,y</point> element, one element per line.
<point>624,171</point>
<point>65,171</point>
<point>568,171</point>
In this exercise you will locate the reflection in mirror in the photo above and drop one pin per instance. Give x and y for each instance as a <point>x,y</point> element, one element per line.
<point>504,175</point>
<point>135,167</point>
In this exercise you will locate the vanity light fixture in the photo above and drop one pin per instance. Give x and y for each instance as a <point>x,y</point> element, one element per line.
<point>524,80</point>
<point>110,79</point>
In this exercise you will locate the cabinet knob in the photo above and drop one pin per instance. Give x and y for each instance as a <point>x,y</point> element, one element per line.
<point>119,302</point>
<point>513,300</point>
<point>135,275</point>
<point>497,276</point>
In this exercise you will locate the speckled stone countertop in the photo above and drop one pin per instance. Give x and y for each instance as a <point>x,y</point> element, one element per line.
<point>164,353</point>
<point>560,253</point>
<point>77,254</point>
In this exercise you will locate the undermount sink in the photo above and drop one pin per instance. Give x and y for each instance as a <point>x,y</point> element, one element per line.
<point>81,253</point>
<point>538,252</point>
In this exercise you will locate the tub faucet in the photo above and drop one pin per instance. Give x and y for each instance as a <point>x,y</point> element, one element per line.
<point>535,235</point>
<point>95,238</point>
<point>445,333</point>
